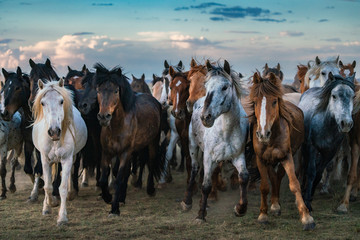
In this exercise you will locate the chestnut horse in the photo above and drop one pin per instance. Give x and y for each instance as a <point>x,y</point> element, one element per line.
<point>139,85</point>
<point>277,71</point>
<point>124,131</point>
<point>302,70</point>
<point>348,69</point>
<point>277,133</point>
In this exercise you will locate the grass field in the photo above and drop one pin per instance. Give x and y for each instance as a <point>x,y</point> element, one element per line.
<point>160,217</point>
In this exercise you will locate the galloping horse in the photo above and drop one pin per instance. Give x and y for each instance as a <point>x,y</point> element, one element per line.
<point>59,133</point>
<point>219,129</point>
<point>318,72</point>
<point>124,131</point>
<point>139,85</point>
<point>327,118</point>
<point>277,133</point>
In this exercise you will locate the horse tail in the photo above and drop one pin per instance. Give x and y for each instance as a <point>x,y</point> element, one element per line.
<point>54,171</point>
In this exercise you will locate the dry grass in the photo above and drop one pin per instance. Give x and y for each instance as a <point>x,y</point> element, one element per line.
<point>160,217</point>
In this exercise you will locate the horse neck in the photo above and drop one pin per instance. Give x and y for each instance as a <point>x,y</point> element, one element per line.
<point>118,117</point>
<point>231,118</point>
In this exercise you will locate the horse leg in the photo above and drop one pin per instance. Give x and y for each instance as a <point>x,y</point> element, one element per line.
<point>275,179</point>
<point>105,171</point>
<point>38,182</point>
<point>3,156</point>
<point>73,180</point>
<point>240,164</point>
<point>294,185</point>
<point>152,154</point>
<point>352,177</point>
<point>134,168</point>
<point>47,185</point>
<point>142,159</point>
<point>310,176</point>
<point>66,164</point>
<point>114,171</point>
<point>28,169</point>
<point>355,189</point>
<point>85,178</point>
<point>264,189</point>
<point>209,167</point>
<point>326,177</point>
<point>123,183</point>
<point>214,183</point>
<point>169,154</point>
<point>14,164</point>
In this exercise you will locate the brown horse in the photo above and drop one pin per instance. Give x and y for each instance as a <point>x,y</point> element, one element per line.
<point>302,70</point>
<point>196,76</point>
<point>348,69</point>
<point>124,132</point>
<point>277,131</point>
<point>75,77</point>
<point>277,71</point>
<point>139,85</point>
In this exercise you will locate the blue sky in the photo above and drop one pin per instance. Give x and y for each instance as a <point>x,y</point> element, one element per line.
<point>140,35</point>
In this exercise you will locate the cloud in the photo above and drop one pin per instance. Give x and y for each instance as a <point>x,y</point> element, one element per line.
<point>9,40</point>
<point>239,12</point>
<point>354,43</point>
<point>269,20</point>
<point>291,34</point>
<point>244,32</point>
<point>207,5</point>
<point>323,20</point>
<point>218,19</point>
<point>103,4</point>
<point>289,11</point>
<point>181,8</point>
<point>332,40</point>
<point>82,33</point>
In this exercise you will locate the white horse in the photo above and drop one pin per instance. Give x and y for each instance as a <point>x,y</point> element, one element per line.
<point>59,133</point>
<point>218,128</point>
<point>318,73</point>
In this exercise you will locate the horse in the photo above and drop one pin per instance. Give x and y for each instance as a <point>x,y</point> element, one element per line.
<point>10,139</point>
<point>319,71</point>
<point>327,119</point>
<point>16,92</point>
<point>218,129</point>
<point>277,133</point>
<point>139,85</point>
<point>348,69</point>
<point>59,133</point>
<point>121,115</point>
<point>75,77</point>
<point>300,74</point>
<point>277,71</point>
<point>157,85</point>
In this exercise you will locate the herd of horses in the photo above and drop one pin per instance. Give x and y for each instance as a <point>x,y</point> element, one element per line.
<point>227,127</point>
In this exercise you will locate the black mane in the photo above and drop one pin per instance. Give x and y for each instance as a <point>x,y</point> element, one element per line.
<point>103,75</point>
<point>73,73</point>
<point>42,71</point>
<point>156,79</point>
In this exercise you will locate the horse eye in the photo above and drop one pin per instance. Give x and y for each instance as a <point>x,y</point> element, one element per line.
<point>42,103</point>
<point>117,90</point>
<point>274,102</point>
<point>334,97</point>
<point>323,73</point>
<point>61,102</point>
<point>17,88</point>
<point>224,88</point>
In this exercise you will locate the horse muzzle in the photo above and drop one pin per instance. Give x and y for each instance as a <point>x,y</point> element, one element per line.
<point>190,106</point>
<point>54,133</point>
<point>346,125</point>
<point>5,115</point>
<point>104,119</point>
<point>180,114</point>
<point>84,108</point>
<point>263,137</point>
<point>207,120</point>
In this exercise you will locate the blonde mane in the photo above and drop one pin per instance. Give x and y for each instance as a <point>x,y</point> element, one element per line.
<point>38,112</point>
<point>315,69</point>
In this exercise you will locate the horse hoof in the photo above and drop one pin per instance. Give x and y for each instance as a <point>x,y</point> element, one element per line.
<point>84,184</point>
<point>275,210</point>
<point>213,196</point>
<point>107,198</point>
<point>62,223</point>
<point>3,197</point>
<point>32,200</point>
<point>342,208</point>
<point>121,204</point>
<point>240,210</point>
<point>151,192</point>
<point>263,219</point>
<point>185,207</point>
<point>309,226</point>
<point>72,195</point>
<point>199,221</point>
<point>352,198</point>
<point>46,212</point>
<point>161,185</point>
<point>113,215</point>
<point>12,188</point>
<point>168,179</point>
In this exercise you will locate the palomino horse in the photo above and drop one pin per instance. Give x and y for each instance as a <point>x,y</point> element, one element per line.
<point>59,133</point>
<point>278,132</point>
<point>75,77</point>
<point>318,72</point>
<point>139,85</point>
<point>219,130</point>
<point>16,92</point>
<point>124,131</point>
<point>348,69</point>
<point>277,71</point>
<point>327,119</point>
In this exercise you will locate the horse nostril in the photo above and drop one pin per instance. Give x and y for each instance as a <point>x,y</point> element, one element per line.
<point>268,133</point>
<point>58,131</point>
<point>99,116</point>
<point>342,123</point>
<point>258,134</point>
<point>208,117</point>
<point>84,105</point>
<point>108,116</point>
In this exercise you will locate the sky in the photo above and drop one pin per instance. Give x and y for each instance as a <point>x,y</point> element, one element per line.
<point>140,35</point>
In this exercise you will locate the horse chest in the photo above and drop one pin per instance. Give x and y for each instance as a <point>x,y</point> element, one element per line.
<point>270,154</point>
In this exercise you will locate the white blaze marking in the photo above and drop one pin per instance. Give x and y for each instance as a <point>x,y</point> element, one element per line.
<point>2,102</point>
<point>10,82</point>
<point>178,83</point>
<point>263,115</point>
<point>76,77</point>
<point>177,100</point>
<point>347,72</point>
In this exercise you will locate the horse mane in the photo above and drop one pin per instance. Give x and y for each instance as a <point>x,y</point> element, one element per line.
<point>269,88</point>
<point>274,70</point>
<point>37,108</point>
<point>127,96</point>
<point>315,69</point>
<point>240,85</point>
<point>41,71</point>
<point>325,92</point>
<point>176,67</point>
<point>88,78</point>
<point>198,68</point>
<point>302,69</point>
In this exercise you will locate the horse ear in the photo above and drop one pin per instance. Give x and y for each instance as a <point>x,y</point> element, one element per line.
<point>143,77</point>
<point>240,75</point>
<point>278,67</point>
<point>2,84</point>
<point>69,68</point>
<point>193,63</point>
<point>48,63</point>
<point>133,77</point>
<point>32,63</point>
<point>19,72</point>
<point>119,72</point>
<point>84,68</point>
<point>166,65</point>
<point>298,66</point>
<point>180,64</point>
<point>154,77</point>
<point>308,65</point>
<point>266,67</point>
<point>61,82</point>
<point>227,67</point>
<point>208,65</point>
<point>317,60</point>
<point>341,65</point>
<point>337,59</point>
<point>5,73</point>
<point>171,72</point>
<point>40,84</point>
<point>353,64</point>
<point>256,78</point>
<point>331,76</point>
<point>272,78</point>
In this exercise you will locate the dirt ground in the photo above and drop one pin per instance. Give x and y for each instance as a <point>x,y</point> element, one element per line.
<point>160,217</point>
